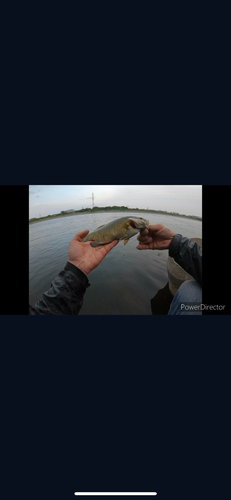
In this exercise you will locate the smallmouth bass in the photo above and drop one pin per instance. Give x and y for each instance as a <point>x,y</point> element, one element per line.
<point>119,229</point>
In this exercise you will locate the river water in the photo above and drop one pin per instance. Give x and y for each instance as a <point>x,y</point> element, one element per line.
<point>127,278</point>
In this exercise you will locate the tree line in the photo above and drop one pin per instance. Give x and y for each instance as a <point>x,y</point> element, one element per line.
<point>121,208</point>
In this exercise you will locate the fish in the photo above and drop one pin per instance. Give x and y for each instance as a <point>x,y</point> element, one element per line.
<point>119,229</point>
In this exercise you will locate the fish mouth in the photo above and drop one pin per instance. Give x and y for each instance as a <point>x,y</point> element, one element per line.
<point>132,223</point>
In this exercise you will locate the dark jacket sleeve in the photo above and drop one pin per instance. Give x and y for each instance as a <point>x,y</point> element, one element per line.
<point>188,254</point>
<point>65,295</point>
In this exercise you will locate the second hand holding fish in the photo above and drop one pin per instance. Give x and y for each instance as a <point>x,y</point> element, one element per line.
<point>158,237</point>
<point>84,256</point>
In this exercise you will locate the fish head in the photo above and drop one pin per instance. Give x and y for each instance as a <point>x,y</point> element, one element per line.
<point>138,223</point>
<point>133,226</point>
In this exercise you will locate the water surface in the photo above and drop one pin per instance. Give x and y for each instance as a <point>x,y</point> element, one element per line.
<point>127,278</point>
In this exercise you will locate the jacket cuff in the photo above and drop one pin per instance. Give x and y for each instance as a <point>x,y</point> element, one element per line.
<point>75,270</point>
<point>174,245</point>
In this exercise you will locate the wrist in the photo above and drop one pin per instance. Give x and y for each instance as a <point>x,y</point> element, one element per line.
<point>70,266</point>
<point>173,247</point>
<point>170,240</point>
<point>78,265</point>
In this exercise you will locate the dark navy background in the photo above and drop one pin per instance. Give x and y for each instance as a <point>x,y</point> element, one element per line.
<point>96,405</point>
<point>139,404</point>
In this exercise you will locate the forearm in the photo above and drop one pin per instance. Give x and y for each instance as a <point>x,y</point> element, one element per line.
<point>65,296</point>
<point>188,254</point>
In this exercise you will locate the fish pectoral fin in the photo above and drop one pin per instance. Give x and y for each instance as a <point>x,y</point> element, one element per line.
<point>126,240</point>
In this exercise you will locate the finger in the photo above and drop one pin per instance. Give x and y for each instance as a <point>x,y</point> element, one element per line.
<point>141,240</point>
<point>145,240</point>
<point>156,227</point>
<point>141,237</point>
<point>144,232</point>
<point>111,245</point>
<point>80,235</point>
<point>142,247</point>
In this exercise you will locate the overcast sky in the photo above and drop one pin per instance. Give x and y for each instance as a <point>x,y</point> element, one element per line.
<point>45,200</point>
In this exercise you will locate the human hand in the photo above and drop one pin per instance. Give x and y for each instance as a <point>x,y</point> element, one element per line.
<point>84,256</point>
<point>158,237</point>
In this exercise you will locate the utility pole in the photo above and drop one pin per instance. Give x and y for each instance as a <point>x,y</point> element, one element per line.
<point>92,200</point>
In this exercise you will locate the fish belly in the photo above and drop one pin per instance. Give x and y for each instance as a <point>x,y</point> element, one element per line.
<point>116,230</point>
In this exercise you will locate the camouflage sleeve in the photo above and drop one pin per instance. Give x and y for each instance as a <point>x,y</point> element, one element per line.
<point>65,295</point>
<point>188,254</point>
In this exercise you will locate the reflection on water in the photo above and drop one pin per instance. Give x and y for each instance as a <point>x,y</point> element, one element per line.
<point>124,282</point>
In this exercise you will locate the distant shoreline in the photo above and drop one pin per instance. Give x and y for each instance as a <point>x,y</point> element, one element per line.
<point>158,212</point>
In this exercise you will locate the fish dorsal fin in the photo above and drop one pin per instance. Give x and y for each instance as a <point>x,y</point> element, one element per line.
<point>99,227</point>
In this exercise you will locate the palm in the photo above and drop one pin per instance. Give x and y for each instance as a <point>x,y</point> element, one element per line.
<point>84,256</point>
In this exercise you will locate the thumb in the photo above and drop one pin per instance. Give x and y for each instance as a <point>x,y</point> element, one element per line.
<point>79,236</point>
<point>142,247</point>
<point>111,245</point>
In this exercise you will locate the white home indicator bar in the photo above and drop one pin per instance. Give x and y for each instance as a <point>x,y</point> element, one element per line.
<point>113,493</point>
